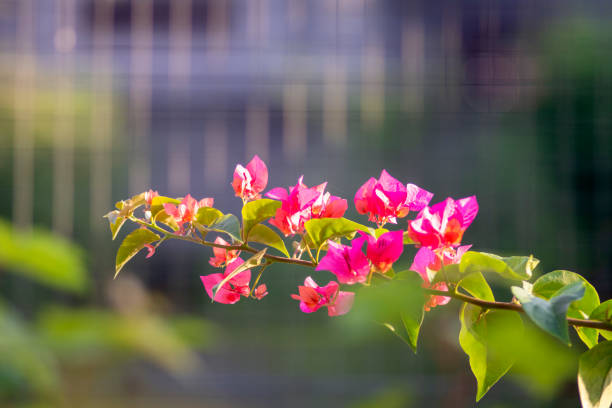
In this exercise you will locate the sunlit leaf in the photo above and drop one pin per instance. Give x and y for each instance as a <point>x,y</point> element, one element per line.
<point>595,376</point>
<point>550,315</point>
<point>512,267</point>
<point>208,215</point>
<point>489,338</point>
<point>549,284</point>
<point>264,235</point>
<point>163,217</point>
<point>476,285</point>
<point>229,225</point>
<point>257,211</point>
<point>319,230</point>
<point>603,313</point>
<point>115,221</point>
<point>157,203</point>
<point>396,304</point>
<point>131,245</point>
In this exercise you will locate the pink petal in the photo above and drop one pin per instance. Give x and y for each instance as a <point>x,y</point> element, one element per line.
<point>393,189</point>
<point>385,250</point>
<point>335,262</point>
<point>344,302</point>
<point>223,294</point>
<point>259,172</point>
<point>206,202</point>
<point>243,278</point>
<point>468,207</point>
<point>261,291</point>
<point>171,210</point>
<point>277,193</point>
<point>423,258</point>
<point>364,195</point>
<point>151,250</point>
<point>417,198</point>
<point>335,208</point>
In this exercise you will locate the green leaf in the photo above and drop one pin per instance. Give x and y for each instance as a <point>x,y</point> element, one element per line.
<point>208,215</point>
<point>43,257</point>
<point>228,224</point>
<point>257,211</point>
<point>131,245</point>
<point>116,221</point>
<point>489,339</point>
<point>512,267</point>
<point>163,217</point>
<point>476,285</point>
<point>396,304</point>
<point>595,376</point>
<point>157,203</point>
<point>549,284</point>
<point>264,235</point>
<point>603,313</point>
<point>550,315</point>
<point>319,230</point>
<point>250,263</point>
<point>379,231</point>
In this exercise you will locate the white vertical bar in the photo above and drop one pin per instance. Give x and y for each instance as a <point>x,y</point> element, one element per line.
<point>63,135</point>
<point>24,99</point>
<point>179,70</point>
<point>257,130</point>
<point>295,105</point>
<point>215,153</point>
<point>102,114</point>
<point>413,63</point>
<point>140,93</point>
<point>373,84</point>
<point>335,104</point>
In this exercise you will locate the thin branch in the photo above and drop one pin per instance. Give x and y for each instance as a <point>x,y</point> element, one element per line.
<point>516,307</point>
<point>243,247</point>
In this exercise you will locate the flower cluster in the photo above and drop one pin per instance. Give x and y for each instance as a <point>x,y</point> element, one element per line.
<point>302,203</point>
<point>436,230</point>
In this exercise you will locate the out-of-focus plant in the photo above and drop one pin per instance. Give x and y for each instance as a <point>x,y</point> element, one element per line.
<point>31,354</point>
<point>492,334</point>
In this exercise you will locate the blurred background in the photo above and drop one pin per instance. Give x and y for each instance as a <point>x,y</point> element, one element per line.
<point>103,99</point>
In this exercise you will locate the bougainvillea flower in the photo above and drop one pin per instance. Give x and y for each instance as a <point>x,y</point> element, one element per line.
<point>444,223</point>
<point>312,297</point>
<point>231,291</point>
<point>149,195</point>
<point>222,256</point>
<point>260,291</point>
<point>186,211</point>
<point>348,263</point>
<point>302,203</point>
<point>386,199</point>
<point>385,250</point>
<point>428,262</point>
<point>251,180</point>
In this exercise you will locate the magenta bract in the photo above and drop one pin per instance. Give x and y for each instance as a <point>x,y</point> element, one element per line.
<point>348,263</point>
<point>251,180</point>
<point>386,199</point>
<point>231,291</point>
<point>312,297</point>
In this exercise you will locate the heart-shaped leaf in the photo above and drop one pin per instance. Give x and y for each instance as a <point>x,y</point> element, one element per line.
<point>595,376</point>
<point>549,284</point>
<point>131,245</point>
<point>550,315</point>
<point>264,235</point>
<point>319,230</point>
<point>228,224</point>
<point>512,267</point>
<point>489,339</point>
<point>255,212</point>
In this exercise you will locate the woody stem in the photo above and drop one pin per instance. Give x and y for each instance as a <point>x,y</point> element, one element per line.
<point>516,307</point>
